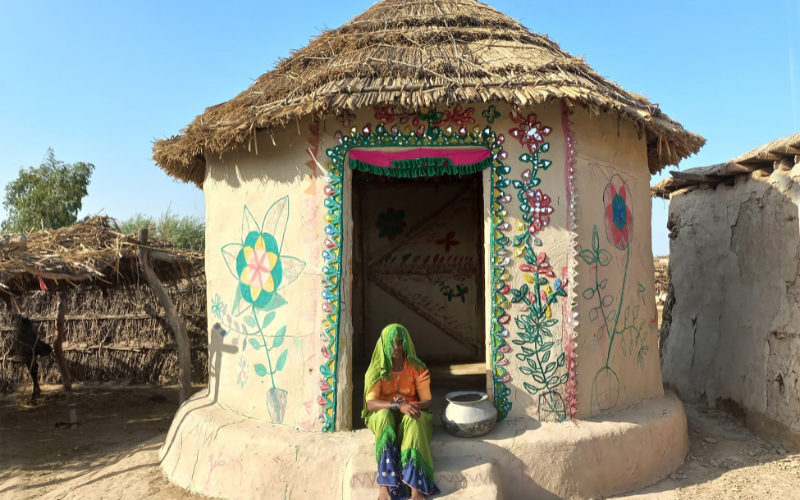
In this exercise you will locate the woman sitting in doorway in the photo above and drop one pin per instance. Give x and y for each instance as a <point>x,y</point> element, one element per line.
<point>397,404</point>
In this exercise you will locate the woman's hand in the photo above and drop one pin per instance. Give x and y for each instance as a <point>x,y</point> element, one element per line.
<point>410,410</point>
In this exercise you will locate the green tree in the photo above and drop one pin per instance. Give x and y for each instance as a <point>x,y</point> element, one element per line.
<point>184,232</point>
<point>46,197</point>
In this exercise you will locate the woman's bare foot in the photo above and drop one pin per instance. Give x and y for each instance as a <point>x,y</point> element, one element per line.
<point>384,494</point>
<point>417,495</point>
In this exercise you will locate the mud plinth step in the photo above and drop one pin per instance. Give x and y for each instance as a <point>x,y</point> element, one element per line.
<point>462,478</point>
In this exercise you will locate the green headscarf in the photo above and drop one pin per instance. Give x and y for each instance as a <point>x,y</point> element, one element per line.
<point>381,365</point>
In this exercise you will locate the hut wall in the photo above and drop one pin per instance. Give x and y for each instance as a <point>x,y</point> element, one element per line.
<point>618,322</point>
<point>264,333</point>
<point>121,337</point>
<point>281,350</point>
<point>734,340</point>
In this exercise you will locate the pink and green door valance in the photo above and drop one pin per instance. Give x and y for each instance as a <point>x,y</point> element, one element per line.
<point>420,162</point>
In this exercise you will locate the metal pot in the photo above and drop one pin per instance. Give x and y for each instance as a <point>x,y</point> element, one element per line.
<point>469,414</point>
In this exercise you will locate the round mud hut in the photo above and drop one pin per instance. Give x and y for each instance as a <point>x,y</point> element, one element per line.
<point>437,164</point>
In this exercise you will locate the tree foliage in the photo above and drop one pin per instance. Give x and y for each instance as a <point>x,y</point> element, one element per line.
<point>46,197</point>
<point>184,232</point>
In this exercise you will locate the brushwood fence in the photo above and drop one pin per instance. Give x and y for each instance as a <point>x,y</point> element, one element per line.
<point>119,334</point>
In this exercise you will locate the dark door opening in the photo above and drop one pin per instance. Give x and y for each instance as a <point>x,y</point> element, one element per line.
<point>418,260</point>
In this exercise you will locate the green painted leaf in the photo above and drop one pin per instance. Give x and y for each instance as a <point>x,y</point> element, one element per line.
<point>255,343</point>
<point>604,258</point>
<point>268,319</point>
<point>594,313</point>
<point>588,294</point>
<point>595,240</point>
<point>602,284</point>
<point>546,357</point>
<point>532,389</point>
<point>561,361</point>
<point>524,290</point>
<point>550,368</point>
<point>279,337</point>
<point>642,289</point>
<point>588,257</point>
<point>260,369</point>
<point>281,360</point>
<point>608,300</point>
<point>539,378</point>
<point>276,302</point>
<point>526,370</point>
<point>250,321</point>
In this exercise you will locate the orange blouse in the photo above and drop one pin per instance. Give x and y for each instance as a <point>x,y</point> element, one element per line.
<point>413,383</point>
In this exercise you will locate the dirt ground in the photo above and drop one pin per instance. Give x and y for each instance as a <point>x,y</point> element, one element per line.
<point>113,453</point>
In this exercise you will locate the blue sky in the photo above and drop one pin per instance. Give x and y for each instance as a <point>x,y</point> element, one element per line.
<point>97,81</point>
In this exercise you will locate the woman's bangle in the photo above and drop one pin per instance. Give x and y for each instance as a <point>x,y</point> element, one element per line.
<point>394,406</point>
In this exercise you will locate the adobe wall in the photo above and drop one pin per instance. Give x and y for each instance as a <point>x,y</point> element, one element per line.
<point>618,363</point>
<point>735,334</point>
<point>281,351</point>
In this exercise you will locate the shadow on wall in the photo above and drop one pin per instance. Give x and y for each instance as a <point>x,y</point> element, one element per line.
<point>281,157</point>
<point>216,348</point>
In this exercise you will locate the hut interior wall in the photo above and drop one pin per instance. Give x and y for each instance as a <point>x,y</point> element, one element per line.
<point>734,339</point>
<point>121,337</point>
<point>434,274</point>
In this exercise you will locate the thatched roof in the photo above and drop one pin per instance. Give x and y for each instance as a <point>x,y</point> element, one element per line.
<point>94,252</point>
<point>780,154</point>
<point>411,54</point>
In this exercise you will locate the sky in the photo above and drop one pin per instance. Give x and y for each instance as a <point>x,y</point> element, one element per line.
<point>98,81</point>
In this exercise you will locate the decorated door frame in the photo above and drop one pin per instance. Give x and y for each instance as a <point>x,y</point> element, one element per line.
<point>335,399</point>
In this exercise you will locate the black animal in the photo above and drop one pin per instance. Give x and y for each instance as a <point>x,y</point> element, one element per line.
<point>27,346</point>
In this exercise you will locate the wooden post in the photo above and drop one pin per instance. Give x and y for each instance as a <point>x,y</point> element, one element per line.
<point>175,321</point>
<point>58,345</point>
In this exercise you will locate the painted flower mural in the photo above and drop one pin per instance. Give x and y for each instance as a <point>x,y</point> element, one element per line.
<point>257,262</point>
<point>217,306</point>
<point>261,270</point>
<point>618,216</point>
<point>540,210</point>
<point>448,241</point>
<point>491,114</point>
<point>529,131</point>
<point>391,223</point>
<point>617,320</point>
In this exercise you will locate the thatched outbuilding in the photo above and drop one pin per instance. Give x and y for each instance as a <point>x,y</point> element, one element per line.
<point>733,339</point>
<point>435,163</point>
<point>94,253</point>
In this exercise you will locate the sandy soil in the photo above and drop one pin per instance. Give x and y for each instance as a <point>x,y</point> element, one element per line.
<point>113,453</point>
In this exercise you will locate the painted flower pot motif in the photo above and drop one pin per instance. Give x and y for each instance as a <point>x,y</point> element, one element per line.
<point>276,403</point>
<point>618,217</point>
<point>552,407</point>
<point>469,414</point>
<point>605,390</point>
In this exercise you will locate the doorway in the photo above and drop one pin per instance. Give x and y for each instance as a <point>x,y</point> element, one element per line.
<point>418,260</point>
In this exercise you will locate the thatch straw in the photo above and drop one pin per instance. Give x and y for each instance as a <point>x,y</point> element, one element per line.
<point>412,54</point>
<point>93,252</point>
